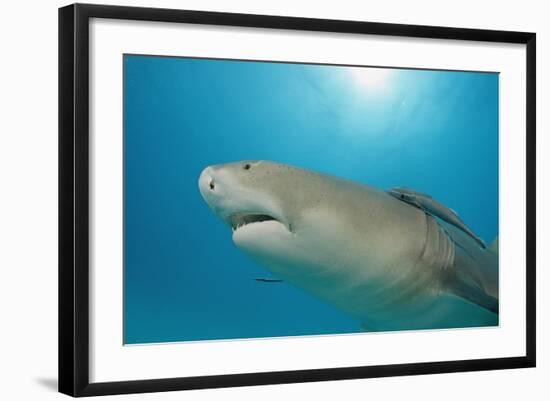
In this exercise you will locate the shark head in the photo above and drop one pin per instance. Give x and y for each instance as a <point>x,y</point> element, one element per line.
<point>295,222</point>
<point>253,199</point>
<point>239,194</point>
<point>271,210</point>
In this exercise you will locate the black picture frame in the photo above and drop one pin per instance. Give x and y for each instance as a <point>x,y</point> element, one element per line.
<point>74,194</point>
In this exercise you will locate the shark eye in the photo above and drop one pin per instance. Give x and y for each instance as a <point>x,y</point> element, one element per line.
<point>402,196</point>
<point>247,166</point>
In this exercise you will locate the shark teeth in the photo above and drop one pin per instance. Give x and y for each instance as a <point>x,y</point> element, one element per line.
<point>239,220</point>
<point>234,228</point>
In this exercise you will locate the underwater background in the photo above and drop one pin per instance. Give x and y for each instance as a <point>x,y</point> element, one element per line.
<point>433,131</point>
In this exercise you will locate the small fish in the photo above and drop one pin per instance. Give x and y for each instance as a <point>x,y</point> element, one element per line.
<point>268,280</point>
<point>433,207</point>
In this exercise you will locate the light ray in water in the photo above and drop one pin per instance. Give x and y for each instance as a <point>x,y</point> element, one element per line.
<point>371,78</point>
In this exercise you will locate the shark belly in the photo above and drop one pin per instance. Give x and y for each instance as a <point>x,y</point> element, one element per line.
<point>401,287</point>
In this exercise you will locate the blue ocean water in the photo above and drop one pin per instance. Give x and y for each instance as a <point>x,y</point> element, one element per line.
<point>433,131</point>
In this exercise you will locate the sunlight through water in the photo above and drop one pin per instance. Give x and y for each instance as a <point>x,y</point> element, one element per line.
<point>371,78</point>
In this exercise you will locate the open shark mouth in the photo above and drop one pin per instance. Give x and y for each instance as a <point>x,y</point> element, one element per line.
<point>239,220</point>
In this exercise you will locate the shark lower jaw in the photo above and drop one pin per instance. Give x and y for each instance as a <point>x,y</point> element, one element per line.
<point>254,228</point>
<point>246,221</point>
<point>262,240</point>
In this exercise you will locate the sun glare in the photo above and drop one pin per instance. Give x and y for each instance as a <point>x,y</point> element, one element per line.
<point>371,78</point>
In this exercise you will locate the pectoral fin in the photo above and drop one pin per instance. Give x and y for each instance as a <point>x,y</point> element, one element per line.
<point>473,292</point>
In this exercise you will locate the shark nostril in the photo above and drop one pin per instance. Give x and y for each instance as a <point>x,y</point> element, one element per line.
<point>212,185</point>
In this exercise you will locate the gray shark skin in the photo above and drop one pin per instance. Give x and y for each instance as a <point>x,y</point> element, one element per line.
<point>358,248</point>
<point>435,208</point>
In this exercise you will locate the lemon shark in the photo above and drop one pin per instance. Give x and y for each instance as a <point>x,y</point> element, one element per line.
<point>388,263</point>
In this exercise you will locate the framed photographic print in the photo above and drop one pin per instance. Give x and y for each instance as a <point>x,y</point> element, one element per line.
<point>250,199</point>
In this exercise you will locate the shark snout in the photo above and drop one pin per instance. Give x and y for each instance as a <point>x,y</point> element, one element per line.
<point>206,181</point>
<point>216,189</point>
<point>209,185</point>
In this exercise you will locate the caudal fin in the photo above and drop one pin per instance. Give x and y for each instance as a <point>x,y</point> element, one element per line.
<point>494,245</point>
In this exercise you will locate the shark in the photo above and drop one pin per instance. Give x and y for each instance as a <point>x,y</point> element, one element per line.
<point>390,263</point>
